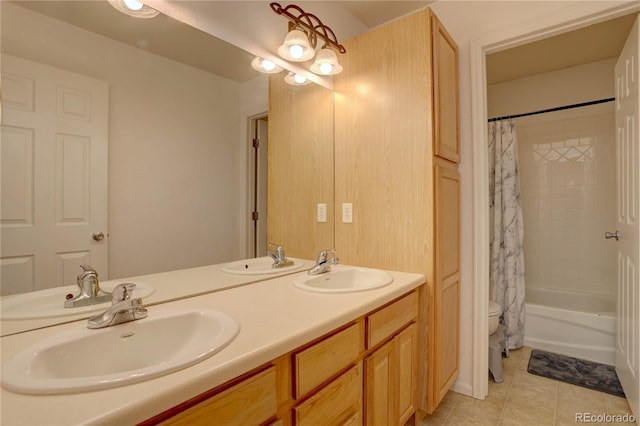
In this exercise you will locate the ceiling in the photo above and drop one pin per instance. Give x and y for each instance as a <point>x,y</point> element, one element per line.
<point>590,44</point>
<point>167,37</point>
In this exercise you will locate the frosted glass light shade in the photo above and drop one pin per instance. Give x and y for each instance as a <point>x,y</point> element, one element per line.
<point>326,62</point>
<point>134,8</point>
<point>296,47</point>
<point>265,66</point>
<point>296,79</point>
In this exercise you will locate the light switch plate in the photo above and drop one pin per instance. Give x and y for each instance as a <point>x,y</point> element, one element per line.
<point>322,212</point>
<point>347,213</point>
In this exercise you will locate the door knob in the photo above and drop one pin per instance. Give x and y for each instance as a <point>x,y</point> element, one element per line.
<point>98,236</point>
<point>609,235</point>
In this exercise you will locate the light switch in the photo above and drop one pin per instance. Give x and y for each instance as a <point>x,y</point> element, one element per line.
<point>322,212</point>
<point>347,213</point>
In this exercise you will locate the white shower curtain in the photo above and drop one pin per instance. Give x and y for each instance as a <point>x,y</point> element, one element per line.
<point>507,259</point>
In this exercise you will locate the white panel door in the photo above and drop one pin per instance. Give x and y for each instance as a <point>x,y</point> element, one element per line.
<point>54,176</point>
<point>627,75</point>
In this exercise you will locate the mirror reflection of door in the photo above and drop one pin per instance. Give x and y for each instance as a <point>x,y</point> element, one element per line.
<point>260,135</point>
<point>54,175</point>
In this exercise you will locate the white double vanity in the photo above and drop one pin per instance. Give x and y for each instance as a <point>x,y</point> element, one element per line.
<point>235,336</point>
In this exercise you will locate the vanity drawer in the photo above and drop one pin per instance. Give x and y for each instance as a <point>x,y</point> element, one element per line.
<point>386,321</point>
<point>318,363</point>
<point>338,403</point>
<point>250,402</point>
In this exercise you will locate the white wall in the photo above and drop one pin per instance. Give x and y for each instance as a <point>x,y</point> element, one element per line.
<point>470,23</point>
<point>175,165</point>
<point>567,175</point>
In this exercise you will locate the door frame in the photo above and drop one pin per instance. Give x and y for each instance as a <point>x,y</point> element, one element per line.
<point>574,17</point>
<point>251,120</point>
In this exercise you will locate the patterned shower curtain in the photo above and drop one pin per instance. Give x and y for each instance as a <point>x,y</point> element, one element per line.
<point>506,234</point>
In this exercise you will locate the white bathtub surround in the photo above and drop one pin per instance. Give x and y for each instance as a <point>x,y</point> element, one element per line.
<point>571,323</point>
<point>507,258</point>
<point>568,183</point>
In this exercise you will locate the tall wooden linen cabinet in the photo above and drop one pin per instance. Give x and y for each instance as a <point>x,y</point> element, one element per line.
<point>394,156</point>
<point>396,160</point>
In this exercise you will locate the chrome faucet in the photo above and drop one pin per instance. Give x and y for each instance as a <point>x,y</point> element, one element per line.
<point>323,262</point>
<point>279,258</point>
<point>123,308</point>
<point>90,293</point>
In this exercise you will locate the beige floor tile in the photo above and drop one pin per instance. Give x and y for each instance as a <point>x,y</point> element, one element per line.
<point>443,411</point>
<point>500,390</point>
<point>616,405</point>
<point>516,415</point>
<point>577,395</point>
<point>525,399</point>
<point>473,411</point>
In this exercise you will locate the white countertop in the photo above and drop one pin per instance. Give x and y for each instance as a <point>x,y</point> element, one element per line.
<point>168,286</point>
<point>275,318</point>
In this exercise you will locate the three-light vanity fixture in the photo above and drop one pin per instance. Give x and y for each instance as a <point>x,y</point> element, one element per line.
<point>300,45</point>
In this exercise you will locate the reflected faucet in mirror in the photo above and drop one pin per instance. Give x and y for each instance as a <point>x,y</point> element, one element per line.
<point>123,308</point>
<point>279,258</point>
<point>89,286</point>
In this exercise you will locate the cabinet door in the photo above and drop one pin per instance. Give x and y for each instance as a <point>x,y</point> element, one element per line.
<point>446,295</point>
<point>379,386</point>
<point>406,355</point>
<point>445,92</point>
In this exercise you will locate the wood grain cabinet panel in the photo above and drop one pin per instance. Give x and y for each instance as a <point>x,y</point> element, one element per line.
<point>445,93</point>
<point>390,380</point>
<point>338,403</point>
<point>446,295</point>
<point>250,402</point>
<point>396,116</point>
<point>385,322</point>
<point>325,359</point>
<point>406,359</point>
<point>379,386</point>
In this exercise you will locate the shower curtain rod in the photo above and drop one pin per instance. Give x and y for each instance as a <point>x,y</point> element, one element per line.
<point>506,117</point>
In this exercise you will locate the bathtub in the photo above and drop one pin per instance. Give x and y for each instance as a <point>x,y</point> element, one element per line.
<point>574,324</point>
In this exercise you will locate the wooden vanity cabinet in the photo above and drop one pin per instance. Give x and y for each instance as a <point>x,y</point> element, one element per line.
<point>396,155</point>
<point>362,373</point>
<point>252,401</point>
<point>391,369</point>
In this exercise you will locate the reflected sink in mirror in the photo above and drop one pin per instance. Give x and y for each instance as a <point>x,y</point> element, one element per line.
<point>49,303</point>
<point>344,279</point>
<point>259,265</point>
<point>80,359</point>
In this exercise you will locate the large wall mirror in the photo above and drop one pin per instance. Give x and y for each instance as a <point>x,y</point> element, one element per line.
<point>178,173</point>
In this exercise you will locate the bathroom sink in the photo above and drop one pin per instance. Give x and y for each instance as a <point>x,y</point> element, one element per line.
<point>50,302</point>
<point>344,279</point>
<point>259,265</point>
<point>80,359</point>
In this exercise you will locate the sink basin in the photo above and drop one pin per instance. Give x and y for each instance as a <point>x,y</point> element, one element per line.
<point>80,359</point>
<point>259,265</point>
<point>50,302</point>
<point>344,279</point>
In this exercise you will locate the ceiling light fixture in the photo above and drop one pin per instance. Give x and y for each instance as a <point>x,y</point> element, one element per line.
<point>301,40</point>
<point>134,8</point>
<point>296,47</point>
<point>264,65</point>
<point>326,62</point>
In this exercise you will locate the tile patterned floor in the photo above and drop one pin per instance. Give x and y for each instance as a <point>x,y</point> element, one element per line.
<point>525,399</point>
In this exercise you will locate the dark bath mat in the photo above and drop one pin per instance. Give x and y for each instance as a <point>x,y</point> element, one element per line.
<point>588,374</point>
